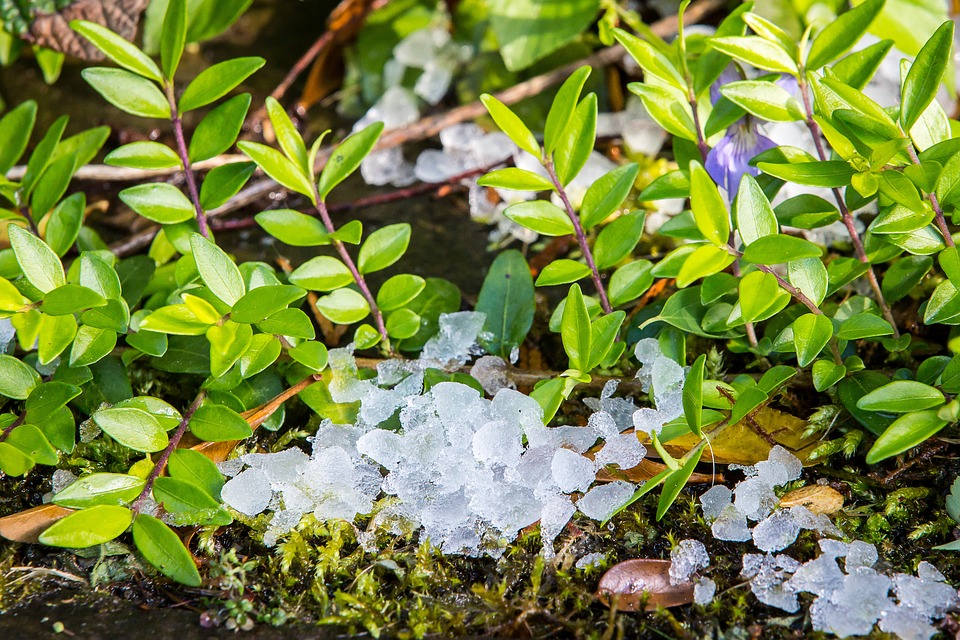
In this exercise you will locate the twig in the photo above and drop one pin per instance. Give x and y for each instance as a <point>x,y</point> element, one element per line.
<point>161,463</point>
<point>184,154</point>
<point>581,237</point>
<point>935,203</point>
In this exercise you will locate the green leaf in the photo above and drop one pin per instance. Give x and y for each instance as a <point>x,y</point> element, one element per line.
<point>128,92</point>
<point>541,216</point>
<point>576,145</point>
<point>224,182</point>
<point>52,185</point>
<point>91,344</point>
<point>161,547</point>
<point>278,167</point>
<point>288,322</point>
<point>42,155</point>
<point>287,135</point>
<point>48,398</point>
<point>904,274</point>
<point>752,212</point>
<point>197,469</point>
<point>904,433</point>
<point>859,67</point>
<point>347,157</point>
<point>575,330</point>
<point>177,319</point>
<point>39,263</point>
<point>617,240</point>
<point>706,260</point>
<point>667,109</point>
<point>511,125</point>
<point>562,271</point>
<point>675,482</point>
<point>756,51</point>
<point>925,75</point>
<point>64,223</point>
<point>402,323</point>
<point>31,441</point>
<point>143,155</point>
<point>14,462</point>
<point>173,36</point>
<point>810,277</point>
<point>811,333</point>
<point>383,247</point>
<point>603,338</point>
<point>515,179</point>
<point>228,342</point>
<point>17,379</point>
<point>217,423</point>
<point>263,351</point>
<point>70,298</point>
<point>398,291</point>
<point>863,325</point>
<point>829,173</point>
<point>507,300</point>
<point>294,228</point>
<point>528,30</point>
<point>323,273</point>
<point>652,61</point>
<point>159,201</point>
<point>344,306</point>
<point>757,290</point>
<point>261,302</point>
<point>219,129</point>
<point>841,34</point>
<point>188,503</point>
<point>901,396</point>
<point>313,354</point>
<point>764,99</point>
<point>133,428</point>
<point>693,395</point>
<point>562,109</point>
<point>217,270</point>
<point>709,210</point>
<point>827,373</point>
<point>780,248</point>
<point>124,53</point>
<point>606,194</point>
<point>216,81</point>
<point>99,488</point>
<point>439,296</point>
<point>87,528</point>
<point>629,282</point>
<point>15,129</point>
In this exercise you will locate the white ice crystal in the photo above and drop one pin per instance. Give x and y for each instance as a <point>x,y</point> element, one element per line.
<point>688,557</point>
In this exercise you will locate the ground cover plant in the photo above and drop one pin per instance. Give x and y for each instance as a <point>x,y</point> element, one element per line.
<point>768,367</point>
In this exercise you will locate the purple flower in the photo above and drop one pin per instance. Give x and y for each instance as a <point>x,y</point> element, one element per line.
<point>728,161</point>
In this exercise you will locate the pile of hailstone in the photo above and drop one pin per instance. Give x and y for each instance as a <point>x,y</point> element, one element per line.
<point>469,472</point>
<point>847,601</point>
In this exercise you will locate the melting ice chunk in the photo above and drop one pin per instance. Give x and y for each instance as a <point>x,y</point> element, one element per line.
<point>249,492</point>
<point>602,501</point>
<point>686,559</point>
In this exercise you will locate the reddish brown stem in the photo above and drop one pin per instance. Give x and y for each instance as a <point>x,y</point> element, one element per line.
<point>581,238</point>
<point>935,203</point>
<point>184,154</point>
<point>845,215</point>
<point>161,462</point>
<point>357,276</point>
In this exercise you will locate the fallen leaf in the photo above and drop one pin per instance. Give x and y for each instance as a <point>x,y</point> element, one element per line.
<point>643,582</point>
<point>741,444</point>
<point>646,470</point>
<point>52,30</point>
<point>26,526</point>
<point>818,498</point>
<point>218,451</point>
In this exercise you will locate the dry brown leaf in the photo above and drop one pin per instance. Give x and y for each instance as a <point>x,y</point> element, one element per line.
<point>646,470</point>
<point>643,582</point>
<point>818,498</point>
<point>52,30</point>
<point>27,526</point>
<point>740,444</point>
